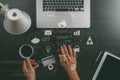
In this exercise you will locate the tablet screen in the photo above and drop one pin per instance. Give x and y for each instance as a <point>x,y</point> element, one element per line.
<point>108,69</point>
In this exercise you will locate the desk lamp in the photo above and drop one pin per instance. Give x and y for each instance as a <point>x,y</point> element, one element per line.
<point>15,21</point>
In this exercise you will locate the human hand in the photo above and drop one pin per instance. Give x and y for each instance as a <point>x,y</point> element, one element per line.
<point>29,67</point>
<point>67,58</point>
<point>68,61</point>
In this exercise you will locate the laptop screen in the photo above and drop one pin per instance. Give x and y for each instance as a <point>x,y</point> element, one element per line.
<point>109,68</point>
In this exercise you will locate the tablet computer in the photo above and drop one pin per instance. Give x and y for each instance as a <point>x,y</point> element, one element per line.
<point>108,68</point>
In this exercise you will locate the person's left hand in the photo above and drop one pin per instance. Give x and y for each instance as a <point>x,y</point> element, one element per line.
<point>29,67</point>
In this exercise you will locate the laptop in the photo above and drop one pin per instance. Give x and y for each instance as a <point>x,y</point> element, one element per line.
<point>63,13</point>
<point>108,68</point>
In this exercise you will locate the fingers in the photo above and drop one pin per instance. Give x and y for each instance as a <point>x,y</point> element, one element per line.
<point>34,64</point>
<point>62,50</point>
<point>29,65</point>
<point>70,51</point>
<point>67,57</point>
<point>62,58</point>
<point>67,54</point>
<point>24,66</point>
<point>65,50</point>
<point>62,55</point>
<point>74,53</point>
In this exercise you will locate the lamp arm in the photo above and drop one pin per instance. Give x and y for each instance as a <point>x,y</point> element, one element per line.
<point>3,8</point>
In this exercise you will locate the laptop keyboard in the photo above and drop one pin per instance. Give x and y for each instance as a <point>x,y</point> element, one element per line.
<point>63,5</point>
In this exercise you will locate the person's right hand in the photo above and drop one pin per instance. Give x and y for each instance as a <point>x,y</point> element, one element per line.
<point>67,58</point>
<point>68,61</point>
<point>29,67</point>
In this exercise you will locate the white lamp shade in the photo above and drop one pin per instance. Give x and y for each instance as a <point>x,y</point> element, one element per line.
<point>16,22</point>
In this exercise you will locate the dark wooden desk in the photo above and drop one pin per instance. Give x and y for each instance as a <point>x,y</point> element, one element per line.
<point>105,29</point>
